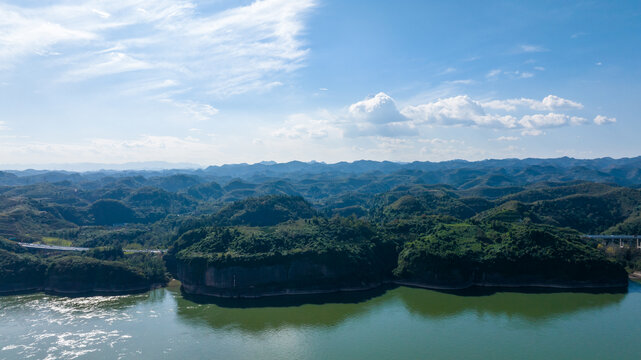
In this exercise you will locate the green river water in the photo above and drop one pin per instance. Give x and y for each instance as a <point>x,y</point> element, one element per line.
<point>398,323</point>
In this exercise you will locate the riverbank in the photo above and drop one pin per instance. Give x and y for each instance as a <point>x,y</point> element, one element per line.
<point>293,293</point>
<point>71,292</point>
<point>204,291</point>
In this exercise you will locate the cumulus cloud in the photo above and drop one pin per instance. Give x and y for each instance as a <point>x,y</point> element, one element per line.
<point>377,116</point>
<point>457,111</point>
<point>604,120</point>
<point>378,109</point>
<point>550,120</point>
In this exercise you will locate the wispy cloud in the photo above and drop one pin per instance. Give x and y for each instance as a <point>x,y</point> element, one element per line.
<point>507,138</point>
<point>302,126</point>
<point>529,48</point>
<point>194,110</point>
<point>548,103</point>
<point>493,73</point>
<point>516,74</point>
<point>143,148</point>
<point>238,50</point>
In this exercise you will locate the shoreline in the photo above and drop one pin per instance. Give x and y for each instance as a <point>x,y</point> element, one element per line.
<point>591,287</point>
<point>80,293</point>
<point>197,291</point>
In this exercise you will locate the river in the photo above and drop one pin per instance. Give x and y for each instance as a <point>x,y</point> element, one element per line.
<point>397,323</point>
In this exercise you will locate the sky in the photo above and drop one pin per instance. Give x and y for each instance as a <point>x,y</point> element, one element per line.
<point>218,81</point>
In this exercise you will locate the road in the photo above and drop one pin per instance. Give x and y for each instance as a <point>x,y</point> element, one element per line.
<point>73,248</point>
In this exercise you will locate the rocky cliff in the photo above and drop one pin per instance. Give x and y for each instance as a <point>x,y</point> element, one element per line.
<point>290,276</point>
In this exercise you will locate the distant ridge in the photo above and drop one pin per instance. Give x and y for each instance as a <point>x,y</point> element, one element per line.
<point>623,171</point>
<point>85,167</point>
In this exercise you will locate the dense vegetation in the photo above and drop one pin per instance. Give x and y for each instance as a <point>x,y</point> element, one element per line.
<point>102,269</point>
<point>471,252</point>
<point>385,220</point>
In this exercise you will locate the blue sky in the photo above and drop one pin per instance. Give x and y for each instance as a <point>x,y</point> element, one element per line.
<point>213,82</point>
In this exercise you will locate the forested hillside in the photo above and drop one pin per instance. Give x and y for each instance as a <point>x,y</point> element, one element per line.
<point>382,220</point>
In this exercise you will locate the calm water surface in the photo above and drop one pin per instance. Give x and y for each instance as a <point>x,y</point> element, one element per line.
<point>401,323</point>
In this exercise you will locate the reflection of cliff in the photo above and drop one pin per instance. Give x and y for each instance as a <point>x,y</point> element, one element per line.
<point>256,315</point>
<point>530,306</point>
<point>278,313</point>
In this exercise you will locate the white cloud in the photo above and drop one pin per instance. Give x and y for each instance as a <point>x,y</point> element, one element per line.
<point>550,120</point>
<point>528,48</point>
<point>604,120</point>
<point>577,120</point>
<point>457,111</point>
<point>242,49</point>
<point>301,126</point>
<point>108,64</point>
<point>507,138</point>
<point>548,103</point>
<point>144,148</point>
<point>391,130</point>
<point>378,109</point>
<point>195,110</point>
<point>376,126</point>
<point>553,102</point>
<point>532,132</point>
<point>493,73</point>
<point>377,116</point>
<point>460,82</point>
<point>510,74</point>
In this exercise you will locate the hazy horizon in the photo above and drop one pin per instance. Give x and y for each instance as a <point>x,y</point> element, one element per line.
<point>162,165</point>
<point>215,82</point>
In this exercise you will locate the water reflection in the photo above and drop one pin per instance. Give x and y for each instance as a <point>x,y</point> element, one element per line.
<point>259,315</point>
<point>532,306</point>
<point>332,310</point>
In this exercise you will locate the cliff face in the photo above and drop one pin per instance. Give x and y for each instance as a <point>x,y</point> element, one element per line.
<point>68,275</point>
<point>305,276</point>
<point>19,287</point>
<point>71,284</point>
<point>456,279</point>
<point>292,276</point>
